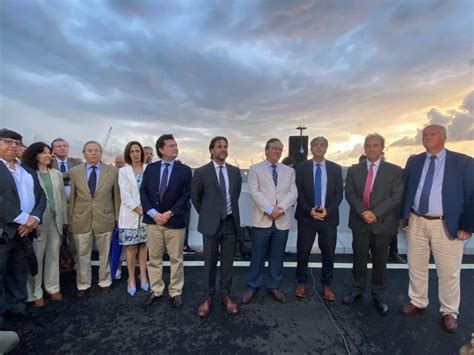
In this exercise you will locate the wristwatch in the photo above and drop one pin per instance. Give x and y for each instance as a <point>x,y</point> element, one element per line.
<point>171,213</point>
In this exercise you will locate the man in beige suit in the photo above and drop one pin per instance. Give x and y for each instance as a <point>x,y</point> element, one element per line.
<point>273,192</point>
<point>94,207</point>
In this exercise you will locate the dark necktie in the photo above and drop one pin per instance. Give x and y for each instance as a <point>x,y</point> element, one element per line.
<point>317,186</point>
<point>223,188</point>
<point>275,174</point>
<point>62,168</point>
<point>425,192</point>
<point>92,182</point>
<point>164,181</point>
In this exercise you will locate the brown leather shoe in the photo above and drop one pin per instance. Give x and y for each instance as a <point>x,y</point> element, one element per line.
<point>38,303</point>
<point>205,307</point>
<point>411,310</point>
<point>300,291</point>
<point>328,295</point>
<point>57,296</point>
<point>230,306</point>
<point>449,323</point>
<point>248,296</point>
<point>278,296</point>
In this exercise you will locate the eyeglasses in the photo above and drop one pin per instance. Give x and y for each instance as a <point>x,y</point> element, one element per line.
<point>10,141</point>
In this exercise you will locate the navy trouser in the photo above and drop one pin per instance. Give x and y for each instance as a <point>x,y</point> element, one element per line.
<point>272,241</point>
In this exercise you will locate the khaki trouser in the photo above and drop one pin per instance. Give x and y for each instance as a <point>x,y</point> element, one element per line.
<point>160,237</point>
<point>83,244</point>
<point>424,236</point>
<point>46,248</point>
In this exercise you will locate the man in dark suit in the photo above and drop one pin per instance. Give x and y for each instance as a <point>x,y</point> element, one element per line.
<point>374,190</point>
<point>22,203</point>
<point>438,186</point>
<point>319,184</point>
<point>63,162</point>
<point>215,191</point>
<point>165,193</point>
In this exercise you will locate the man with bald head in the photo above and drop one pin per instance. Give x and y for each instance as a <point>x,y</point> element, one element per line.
<point>434,211</point>
<point>119,161</point>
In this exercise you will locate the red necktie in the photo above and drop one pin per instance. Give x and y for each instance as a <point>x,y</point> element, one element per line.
<point>368,186</point>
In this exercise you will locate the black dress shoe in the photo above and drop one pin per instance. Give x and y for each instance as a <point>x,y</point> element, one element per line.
<point>381,306</point>
<point>105,290</point>
<point>150,299</point>
<point>396,258</point>
<point>177,301</point>
<point>350,298</point>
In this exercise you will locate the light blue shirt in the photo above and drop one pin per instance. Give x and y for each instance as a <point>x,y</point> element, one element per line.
<point>26,191</point>
<point>226,179</point>
<point>153,212</point>
<point>324,180</point>
<point>435,206</point>
<point>97,171</point>
<point>67,189</point>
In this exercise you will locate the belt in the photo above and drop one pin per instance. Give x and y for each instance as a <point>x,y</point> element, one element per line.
<point>429,218</point>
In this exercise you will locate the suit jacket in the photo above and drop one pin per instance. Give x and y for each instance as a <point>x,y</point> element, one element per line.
<point>59,197</point>
<point>100,212</point>
<point>305,186</point>
<point>129,197</point>
<point>175,198</point>
<point>385,199</point>
<point>208,200</point>
<point>10,207</point>
<point>458,184</point>
<point>71,162</point>
<point>264,193</point>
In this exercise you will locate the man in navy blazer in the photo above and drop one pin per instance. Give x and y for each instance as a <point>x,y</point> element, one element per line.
<point>165,194</point>
<point>438,182</point>
<point>319,184</point>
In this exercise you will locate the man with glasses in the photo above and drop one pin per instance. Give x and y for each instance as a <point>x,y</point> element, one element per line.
<point>22,203</point>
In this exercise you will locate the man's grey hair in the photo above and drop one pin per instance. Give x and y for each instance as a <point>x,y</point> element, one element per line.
<point>376,135</point>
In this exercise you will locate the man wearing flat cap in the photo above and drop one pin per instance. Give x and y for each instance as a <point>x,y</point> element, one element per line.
<point>22,203</point>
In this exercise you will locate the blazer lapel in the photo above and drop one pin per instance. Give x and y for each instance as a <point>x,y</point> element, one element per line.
<point>213,175</point>
<point>10,178</point>
<point>329,180</point>
<point>103,177</point>
<point>268,174</point>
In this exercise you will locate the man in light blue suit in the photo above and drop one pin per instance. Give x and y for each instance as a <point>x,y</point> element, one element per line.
<point>437,185</point>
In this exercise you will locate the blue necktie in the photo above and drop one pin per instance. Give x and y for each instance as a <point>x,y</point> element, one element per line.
<point>164,181</point>
<point>275,174</point>
<point>62,168</point>
<point>425,192</point>
<point>92,182</point>
<point>317,186</point>
<point>223,188</point>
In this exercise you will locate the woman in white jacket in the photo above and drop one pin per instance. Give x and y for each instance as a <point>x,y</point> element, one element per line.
<point>48,243</point>
<point>132,232</point>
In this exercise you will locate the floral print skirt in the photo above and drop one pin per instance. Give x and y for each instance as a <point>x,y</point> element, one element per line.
<point>131,236</point>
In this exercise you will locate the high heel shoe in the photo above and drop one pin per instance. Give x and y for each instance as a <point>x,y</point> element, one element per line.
<point>145,286</point>
<point>132,291</point>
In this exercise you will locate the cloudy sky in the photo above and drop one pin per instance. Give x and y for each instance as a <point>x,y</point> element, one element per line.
<point>246,69</point>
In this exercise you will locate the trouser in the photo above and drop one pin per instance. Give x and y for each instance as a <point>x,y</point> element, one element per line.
<point>263,240</point>
<point>83,244</point>
<point>224,239</point>
<point>14,273</point>
<point>327,239</point>
<point>159,238</point>
<point>46,247</point>
<point>362,242</point>
<point>425,236</point>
